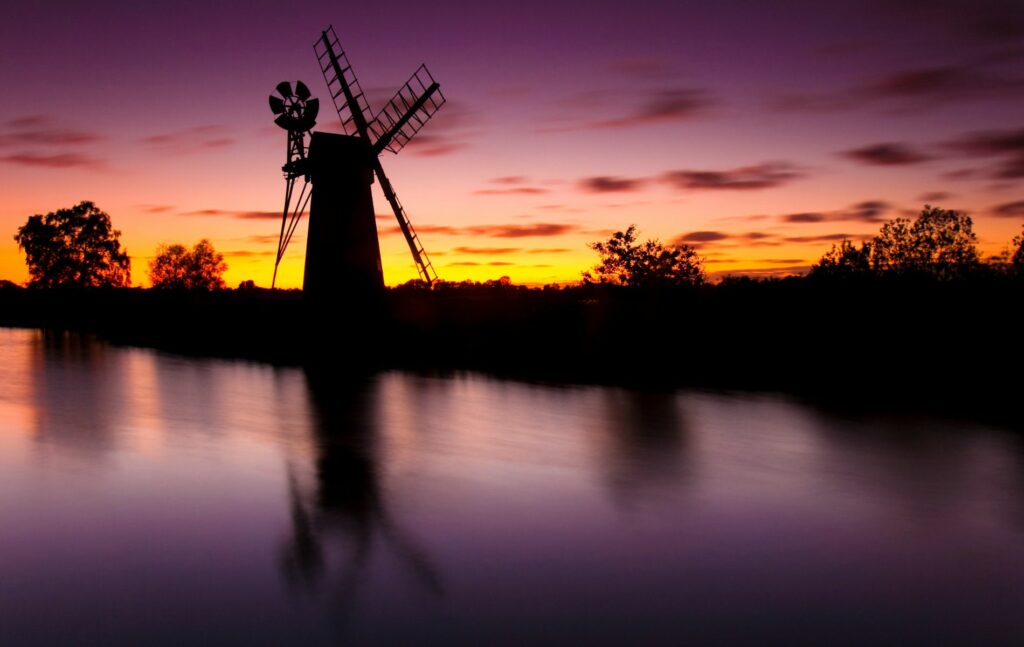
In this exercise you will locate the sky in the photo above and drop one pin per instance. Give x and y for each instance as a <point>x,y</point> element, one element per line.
<point>761,133</point>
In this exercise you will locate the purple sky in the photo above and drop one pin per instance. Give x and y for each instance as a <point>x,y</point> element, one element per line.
<point>758,131</point>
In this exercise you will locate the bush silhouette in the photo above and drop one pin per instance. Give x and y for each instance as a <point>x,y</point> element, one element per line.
<point>1018,255</point>
<point>940,243</point>
<point>844,260</point>
<point>178,268</point>
<point>626,262</point>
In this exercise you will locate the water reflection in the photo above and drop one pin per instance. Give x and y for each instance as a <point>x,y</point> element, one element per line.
<point>77,389</point>
<point>645,444</point>
<point>342,515</point>
<point>151,499</point>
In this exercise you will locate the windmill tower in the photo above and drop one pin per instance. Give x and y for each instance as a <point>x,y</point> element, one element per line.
<point>337,171</point>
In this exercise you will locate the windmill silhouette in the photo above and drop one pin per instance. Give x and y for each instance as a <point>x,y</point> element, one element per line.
<point>337,170</point>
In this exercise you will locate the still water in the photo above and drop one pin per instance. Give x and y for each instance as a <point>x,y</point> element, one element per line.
<point>153,499</point>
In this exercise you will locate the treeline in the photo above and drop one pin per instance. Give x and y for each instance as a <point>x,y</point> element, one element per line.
<point>913,315</point>
<point>940,244</point>
<point>892,339</point>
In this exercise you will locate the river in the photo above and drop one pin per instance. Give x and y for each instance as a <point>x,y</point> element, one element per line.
<point>153,499</point>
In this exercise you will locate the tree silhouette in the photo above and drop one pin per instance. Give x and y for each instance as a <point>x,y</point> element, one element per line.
<point>844,260</point>
<point>1018,256</point>
<point>626,262</point>
<point>940,242</point>
<point>176,267</point>
<point>74,247</point>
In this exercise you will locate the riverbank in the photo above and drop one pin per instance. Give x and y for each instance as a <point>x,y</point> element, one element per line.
<point>890,342</point>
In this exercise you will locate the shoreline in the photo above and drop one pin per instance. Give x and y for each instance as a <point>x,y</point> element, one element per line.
<point>894,345</point>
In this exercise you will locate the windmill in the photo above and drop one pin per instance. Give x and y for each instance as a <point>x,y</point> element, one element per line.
<point>337,170</point>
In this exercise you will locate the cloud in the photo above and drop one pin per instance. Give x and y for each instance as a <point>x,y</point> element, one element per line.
<point>782,261</point>
<point>946,82</point>
<point>191,140</point>
<point>43,130</point>
<point>560,207</point>
<point>55,160</point>
<point>157,208</point>
<point>1011,169</point>
<point>870,211</point>
<point>43,133</point>
<point>729,239</point>
<point>249,252</point>
<point>451,130</point>
<point>791,270</point>
<point>746,178</point>
<point>886,154</point>
<point>609,184</point>
<point>443,230</point>
<point>702,237</point>
<point>646,67</point>
<point>753,238</point>
<point>548,250</point>
<point>490,251</point>
<point>662,106</point>
<point>1006,145</point>
<point>463,264</point>
<point>500,263</point>
<point>934,196</point>
<point>434,145</point>
<point>1009,210</point>
<point>243,215</point>
<point>516,190</point>
<point>822,238</point>
<point>655,106</point>
<point>985,22</point>
<point>922,88</point>
<point>540,229</point>
<point>207,212</point>
<point>990,142</point>
<point>266,239</point>
<point>804,217</point>
<point>509,179</point>
<point>28,121</point>
<point>962,174</point>
<point>866,211</point>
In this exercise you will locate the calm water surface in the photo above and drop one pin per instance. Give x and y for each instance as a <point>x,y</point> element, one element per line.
<point>151,499</point>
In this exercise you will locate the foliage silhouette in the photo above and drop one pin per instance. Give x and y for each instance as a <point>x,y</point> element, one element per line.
<point>178,268</point>
<point>648,264</point>
<point>940,243</point>
<point>844,261</point>
<point>74,247</point>
<point>1018,255</point>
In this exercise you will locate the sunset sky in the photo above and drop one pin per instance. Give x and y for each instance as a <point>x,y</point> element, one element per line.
<point>759,132</point>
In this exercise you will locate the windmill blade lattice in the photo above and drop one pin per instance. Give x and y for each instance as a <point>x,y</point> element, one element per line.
<point>338,74</point>
<point>407,112</point>
<point>404,116</point>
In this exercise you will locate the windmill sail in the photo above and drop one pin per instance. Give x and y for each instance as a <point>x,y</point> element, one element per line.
<point>392,128</point>
<point>407,112</point>
<point>348,96</point>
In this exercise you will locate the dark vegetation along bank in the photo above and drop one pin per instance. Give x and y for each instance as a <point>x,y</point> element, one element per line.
<point>913,315</point>
<point>890,339</point>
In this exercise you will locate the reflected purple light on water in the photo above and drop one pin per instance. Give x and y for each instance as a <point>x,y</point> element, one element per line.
<point>153,499</point>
